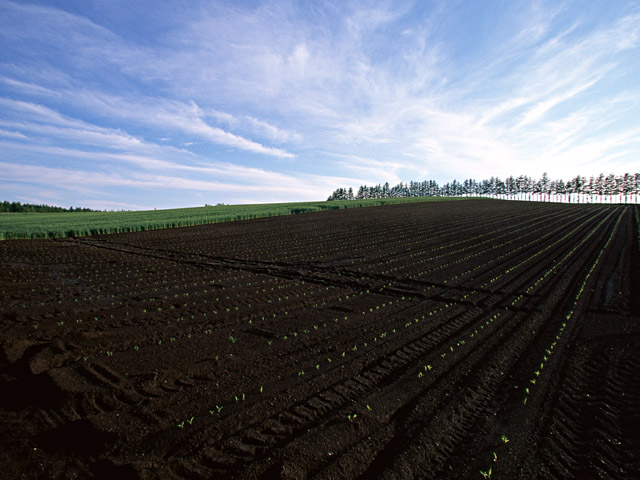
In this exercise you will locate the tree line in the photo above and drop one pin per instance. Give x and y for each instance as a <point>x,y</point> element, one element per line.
<point>15,207</point>
<point>596,189</point>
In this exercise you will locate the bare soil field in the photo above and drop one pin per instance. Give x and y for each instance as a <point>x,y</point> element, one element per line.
<point>451,340</point>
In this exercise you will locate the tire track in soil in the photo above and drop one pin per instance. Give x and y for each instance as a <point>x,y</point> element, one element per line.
<point>591,426</point>
<point>227,461</point>
<point>295,419</point>
<point>443,447</point>
<point>524,424</point>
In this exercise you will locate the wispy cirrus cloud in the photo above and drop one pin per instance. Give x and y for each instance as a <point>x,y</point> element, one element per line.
<point>281,94</point>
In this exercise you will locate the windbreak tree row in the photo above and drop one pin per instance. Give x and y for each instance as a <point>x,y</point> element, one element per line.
<point>596,189</point>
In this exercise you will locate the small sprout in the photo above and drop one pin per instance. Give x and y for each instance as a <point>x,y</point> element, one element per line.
<point>110,353</point>
<point>486,474</point>
<point>191,420</point>
<point>369,408</point>
<point>352,417</point>
<point>136,348</point>
<point>181,424</point>
<point>495,457</point>
<point>261,389</point>
<point>233,339</point>
<point>524,402</point>
<point>504,439</point>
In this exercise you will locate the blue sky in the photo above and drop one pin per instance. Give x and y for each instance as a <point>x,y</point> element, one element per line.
<point>125,105</point>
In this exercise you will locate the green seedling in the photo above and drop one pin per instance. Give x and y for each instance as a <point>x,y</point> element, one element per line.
<point>504,439</point>
<point>486,474</point>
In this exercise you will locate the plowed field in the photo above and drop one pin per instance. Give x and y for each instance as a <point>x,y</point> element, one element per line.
<point>446,340</point>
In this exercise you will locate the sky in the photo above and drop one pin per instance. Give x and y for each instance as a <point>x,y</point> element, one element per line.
<point>113,104</point>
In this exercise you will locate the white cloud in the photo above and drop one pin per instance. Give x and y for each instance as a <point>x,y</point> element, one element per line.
<point>11,133</point>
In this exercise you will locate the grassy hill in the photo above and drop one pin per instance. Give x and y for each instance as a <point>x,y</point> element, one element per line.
<point>75,224</point>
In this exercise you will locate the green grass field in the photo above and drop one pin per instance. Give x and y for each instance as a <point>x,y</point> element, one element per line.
<point>77,224</point>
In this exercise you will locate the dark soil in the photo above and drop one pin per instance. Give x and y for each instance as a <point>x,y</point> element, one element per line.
<point>447,340</point>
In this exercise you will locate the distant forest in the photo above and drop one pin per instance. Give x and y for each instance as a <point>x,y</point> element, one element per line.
<point>600,189</point>
<point>13,207</point>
